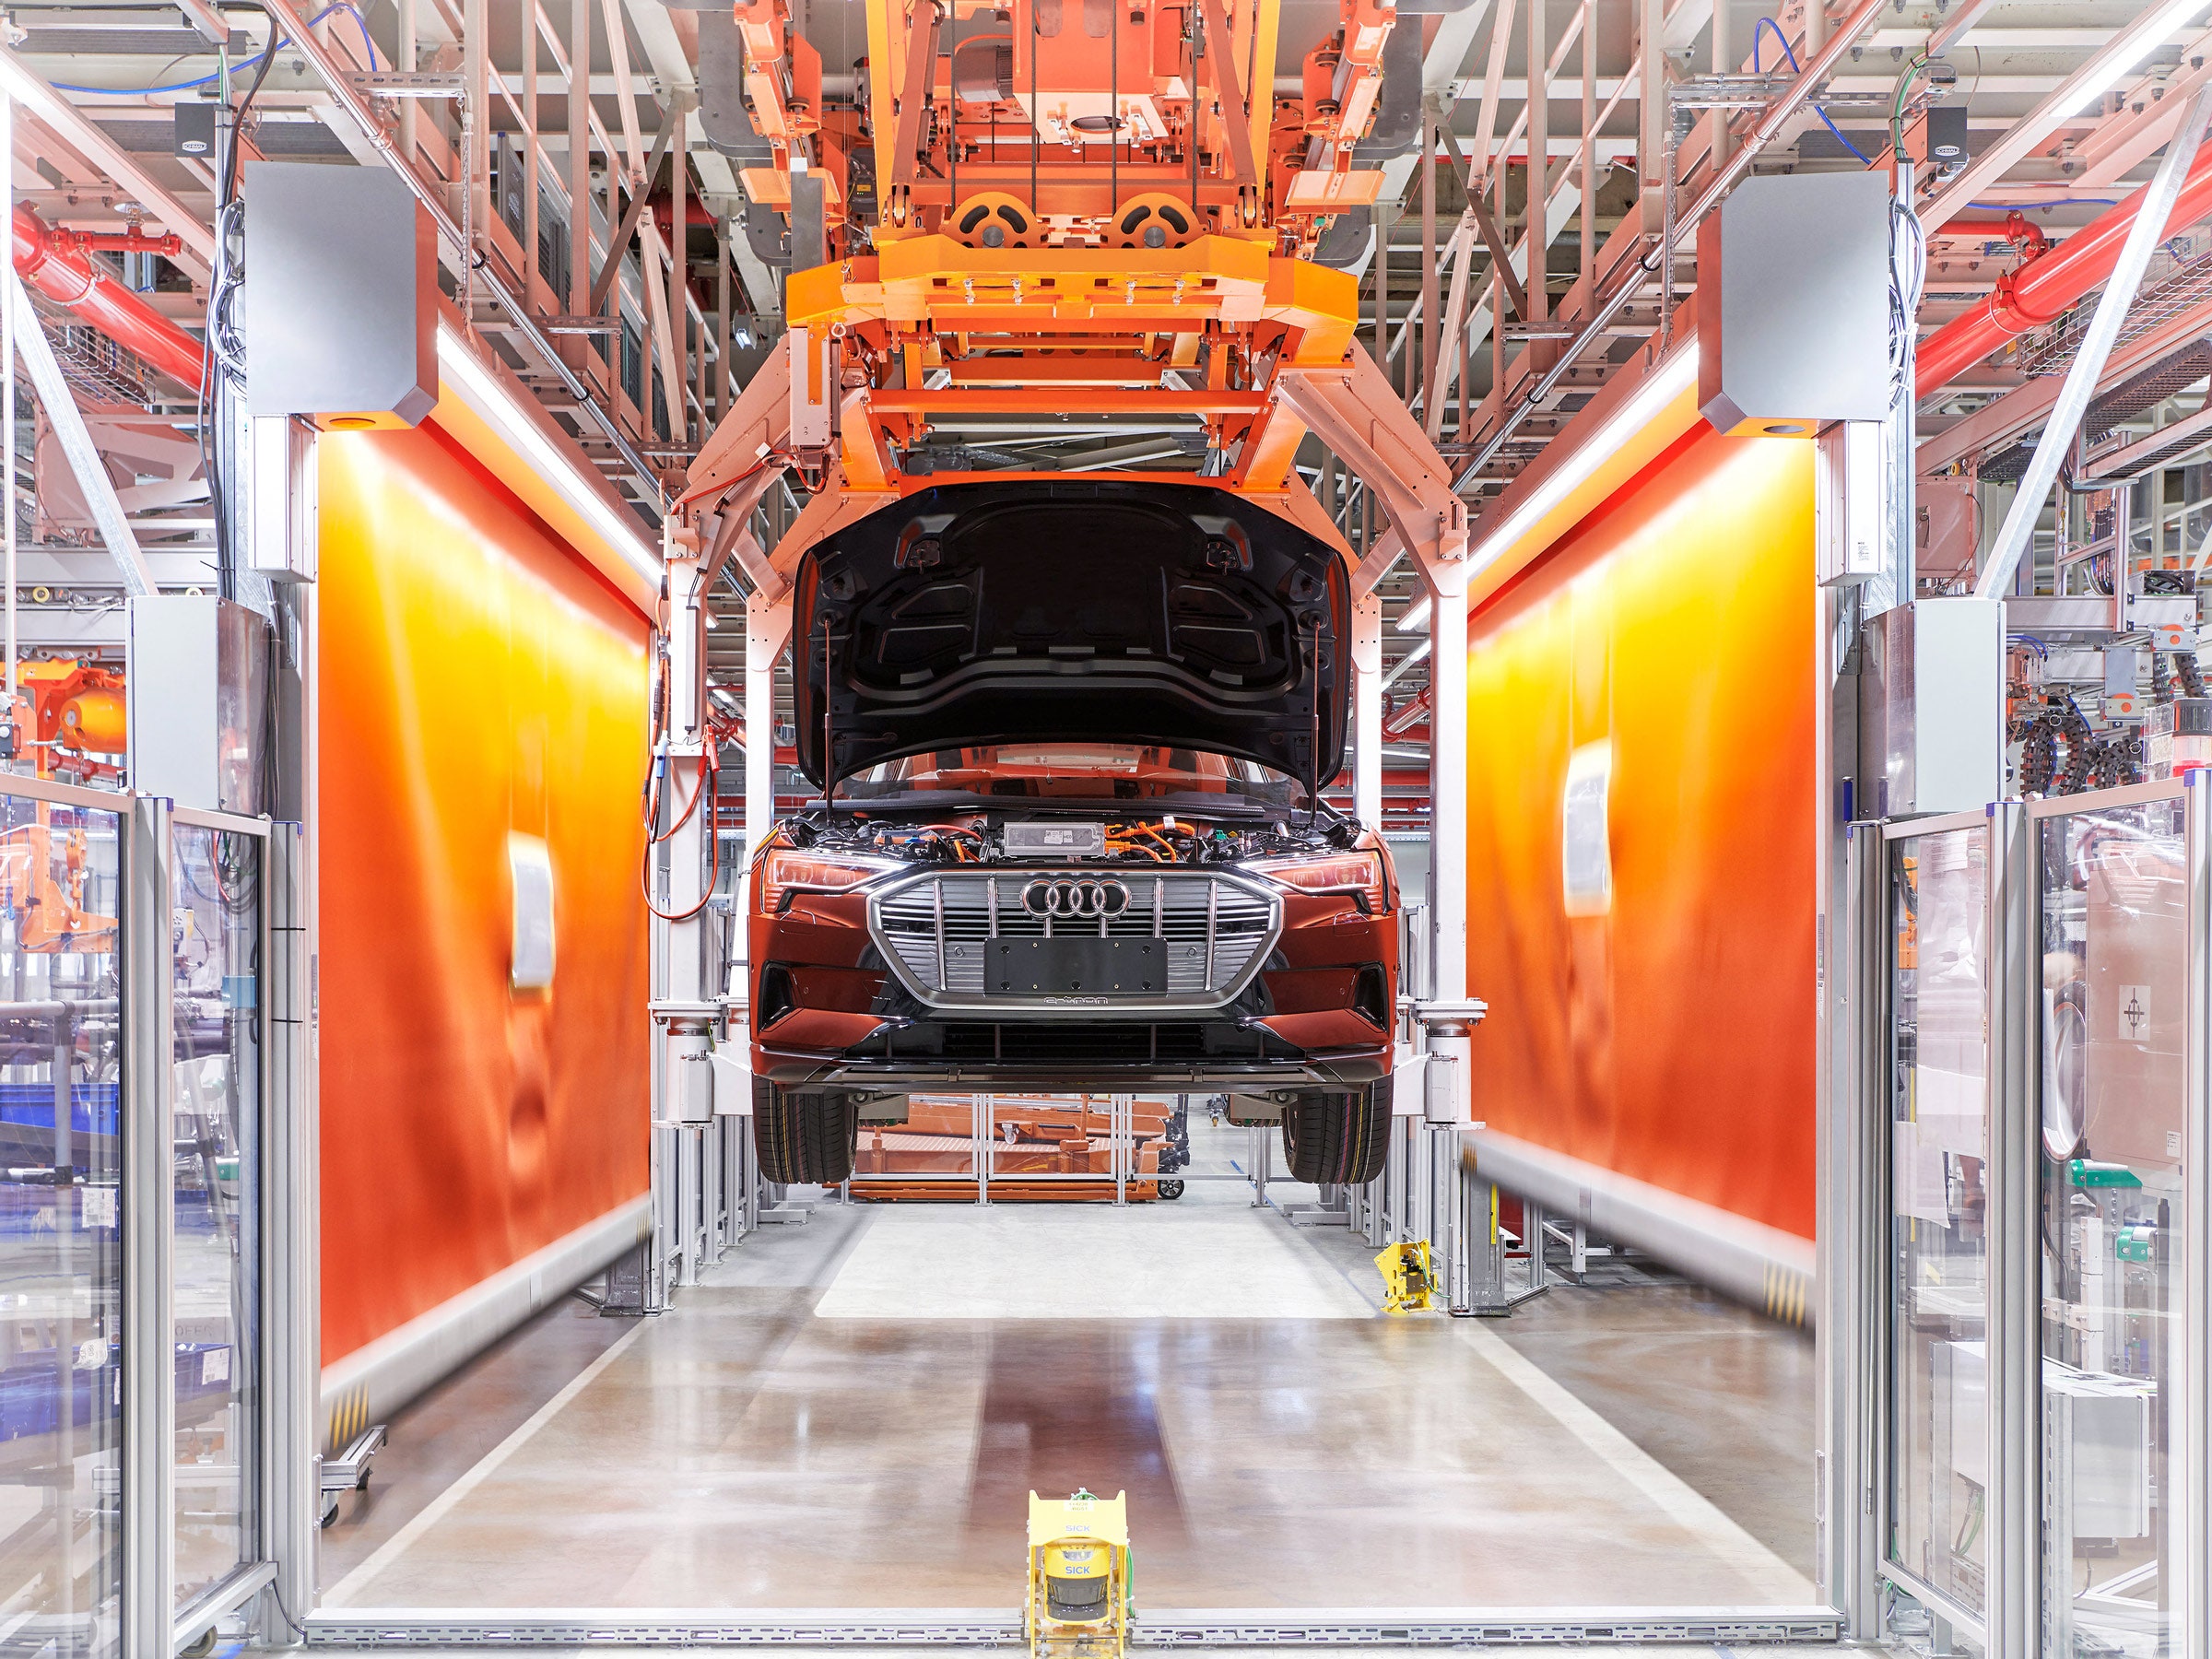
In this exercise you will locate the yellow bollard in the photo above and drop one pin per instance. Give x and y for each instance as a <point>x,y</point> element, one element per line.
<point>1082,1582</point>
<point>1408,1287</point>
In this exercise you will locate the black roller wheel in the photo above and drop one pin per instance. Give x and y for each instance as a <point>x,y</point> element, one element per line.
<point>1337,1139</point>
<point>1170,1189</point>
<point>804,1137</point>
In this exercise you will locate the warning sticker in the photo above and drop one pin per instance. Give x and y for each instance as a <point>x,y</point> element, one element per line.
<point>2134,1013</point>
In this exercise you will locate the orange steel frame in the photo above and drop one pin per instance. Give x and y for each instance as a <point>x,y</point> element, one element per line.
<point>1084,207</point>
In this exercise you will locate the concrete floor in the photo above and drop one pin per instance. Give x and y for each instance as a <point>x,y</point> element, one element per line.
<point>851,1412</point>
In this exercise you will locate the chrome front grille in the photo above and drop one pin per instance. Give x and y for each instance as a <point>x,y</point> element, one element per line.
<point>1214,929</point>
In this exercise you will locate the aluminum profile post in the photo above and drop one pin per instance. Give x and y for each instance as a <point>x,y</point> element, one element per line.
<point>1852,1194</point>
<point>149,1398</point>
<point>1367,710</point>
<point>1448,766</point>
<point>2189,1529</point>
<point>767,631</point>
<point>2144,236</point>
<point>292,1322</point>
<point>2012,1587</point>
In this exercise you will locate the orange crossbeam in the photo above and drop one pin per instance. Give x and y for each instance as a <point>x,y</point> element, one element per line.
<point>1062,400</point>
<point>1099,370</point>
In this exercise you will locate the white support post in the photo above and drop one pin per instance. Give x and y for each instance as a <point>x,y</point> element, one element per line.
<point>1448,1015</point>
<point>689,781</point>
<point>67,423</point>
<point>767,630</point>
<point>1448,775</point>
<point>2088,368</point>
<point>291,1335</point>
<point>1366,711</point>
<point>684,1002</point>
<point>149,1382</point>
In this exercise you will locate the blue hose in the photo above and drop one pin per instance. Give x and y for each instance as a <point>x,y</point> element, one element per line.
<point>208,80</point>
<point>1783,41</point>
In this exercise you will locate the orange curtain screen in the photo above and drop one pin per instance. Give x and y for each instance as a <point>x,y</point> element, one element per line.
<point>475,680</point>
<point>1668,1034</point>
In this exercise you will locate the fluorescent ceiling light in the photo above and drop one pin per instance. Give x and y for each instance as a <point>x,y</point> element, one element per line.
<point>488,396</point>
<point>1416,619</point>
<point>2127,49</point>
<point>1405,664</point>
<point>1674,375</point>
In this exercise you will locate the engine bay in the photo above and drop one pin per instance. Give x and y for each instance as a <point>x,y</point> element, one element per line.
<point>1000,838</point>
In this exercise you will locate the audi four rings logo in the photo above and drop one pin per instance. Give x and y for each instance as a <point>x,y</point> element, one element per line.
<point>1085,899</point>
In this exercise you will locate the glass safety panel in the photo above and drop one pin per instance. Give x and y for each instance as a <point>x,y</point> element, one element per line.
<point>933,1146</point>
<point>1054,1142</point>
<point>2115,946</point>
<point>61,1378</point>
<point>215,1163</point>
<point>1939,1153</point>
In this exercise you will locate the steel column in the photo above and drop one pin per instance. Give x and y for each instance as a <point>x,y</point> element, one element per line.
<point>2011,1601</point>
<point>291,1320</point>
<point>2088,368</point>
<point>1852,1228</point>
<point>2189,1542</point>
<point>149,1382</point>
<point>767,629</point>
<point>1367,710</point>
<point>1448,776</point>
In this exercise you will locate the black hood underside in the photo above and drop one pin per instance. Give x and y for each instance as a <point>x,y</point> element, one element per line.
<point>1098,611</point>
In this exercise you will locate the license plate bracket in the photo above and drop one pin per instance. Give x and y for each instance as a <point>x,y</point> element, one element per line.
<point>1077,966</point>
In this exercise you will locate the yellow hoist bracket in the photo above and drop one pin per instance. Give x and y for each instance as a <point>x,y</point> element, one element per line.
<point>1082,1582</point>
<point>1408,1286</point>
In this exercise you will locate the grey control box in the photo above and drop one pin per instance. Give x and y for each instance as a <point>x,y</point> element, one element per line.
<point>198,691</point>
<point>1056,840</point>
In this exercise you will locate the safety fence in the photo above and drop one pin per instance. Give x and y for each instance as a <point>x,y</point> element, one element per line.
<point>149,1007</point>
<point>2030,1132</point>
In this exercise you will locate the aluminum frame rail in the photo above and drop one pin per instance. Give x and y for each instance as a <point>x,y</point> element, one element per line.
<point>1684,226</point>
<point>2013,1615</point>
<point>1169,1628</point>
<point>343,92</point>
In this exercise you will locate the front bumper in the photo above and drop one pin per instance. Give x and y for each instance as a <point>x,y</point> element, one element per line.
<point>1308,1007</point>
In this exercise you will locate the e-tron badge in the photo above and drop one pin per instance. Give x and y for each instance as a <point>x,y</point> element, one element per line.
<point>1069,900</point>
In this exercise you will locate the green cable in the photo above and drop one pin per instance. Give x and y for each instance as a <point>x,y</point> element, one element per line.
<point>1897,111</point>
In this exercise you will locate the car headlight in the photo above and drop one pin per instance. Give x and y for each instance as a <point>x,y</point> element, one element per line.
<point>786,870</point>
<point>1337,873</point>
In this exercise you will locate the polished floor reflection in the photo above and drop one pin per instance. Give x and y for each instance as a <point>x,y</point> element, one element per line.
<point>748,1449</point>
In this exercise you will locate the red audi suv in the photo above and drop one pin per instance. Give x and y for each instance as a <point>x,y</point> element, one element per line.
<point>1071,736</point>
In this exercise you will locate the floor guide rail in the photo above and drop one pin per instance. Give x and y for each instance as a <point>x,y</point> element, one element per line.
<point>449,1628</point>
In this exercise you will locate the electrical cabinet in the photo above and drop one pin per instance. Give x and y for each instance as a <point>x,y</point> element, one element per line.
<point>341,296</point>
<point>198,688</point>
<point>1932,708</point>
<point>1796,332</point>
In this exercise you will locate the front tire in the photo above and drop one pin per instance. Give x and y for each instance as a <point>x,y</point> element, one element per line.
<point>804,1139</point>
<point>1170,1189</point>
<point>1339,1138</point>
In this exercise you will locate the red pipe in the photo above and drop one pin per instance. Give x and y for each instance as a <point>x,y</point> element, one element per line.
<point>58,263</point>
<point>2039,292</point>
<point>132,241</point>
<point>697,213</point>
<point>2013,227</point>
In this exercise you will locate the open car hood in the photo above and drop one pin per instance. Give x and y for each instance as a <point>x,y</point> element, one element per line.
<point>1063,611</point>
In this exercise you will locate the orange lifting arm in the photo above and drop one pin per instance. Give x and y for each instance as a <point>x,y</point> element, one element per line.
<point>782,78</point>
<point>1084,208</point>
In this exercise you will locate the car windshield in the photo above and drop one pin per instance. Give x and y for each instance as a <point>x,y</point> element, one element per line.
<point>1075,772</point>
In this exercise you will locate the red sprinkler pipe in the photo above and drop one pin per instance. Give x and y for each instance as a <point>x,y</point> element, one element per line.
<point>2041,290</point>
<point>59,264</point>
